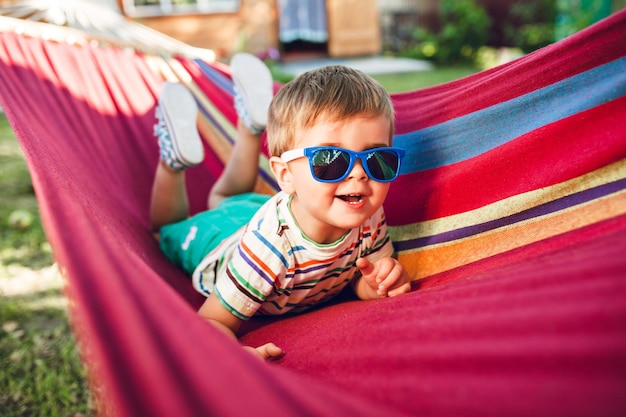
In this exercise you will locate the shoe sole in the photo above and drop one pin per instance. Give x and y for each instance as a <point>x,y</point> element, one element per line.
<point>254,82</point>
<point>179,110</point>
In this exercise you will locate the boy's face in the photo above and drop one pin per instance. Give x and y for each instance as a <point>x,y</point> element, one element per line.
<point>326,211</point>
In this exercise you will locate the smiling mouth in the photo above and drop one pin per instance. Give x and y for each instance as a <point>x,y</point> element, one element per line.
<point>351,198</point>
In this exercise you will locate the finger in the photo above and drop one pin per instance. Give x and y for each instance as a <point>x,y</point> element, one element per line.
<point>386,268</point>
<point>365,266</point>
<point>274,352</point>
<point>270,351</point>
<point>368,272</point>
<point>392,273</point>
<point>381,291</point>
<point>402,289</point>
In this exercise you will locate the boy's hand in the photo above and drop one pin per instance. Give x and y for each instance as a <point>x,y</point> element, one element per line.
<point>266,351</point>
<point>387,277</point>
<point>214,312</point>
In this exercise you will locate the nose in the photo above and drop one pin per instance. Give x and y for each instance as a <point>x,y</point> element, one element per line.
<point>358,172</point>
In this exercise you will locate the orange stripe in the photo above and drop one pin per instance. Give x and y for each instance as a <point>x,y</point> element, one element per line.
<point>258,261</point>
<point>424,262</point>
<point>510,205</point>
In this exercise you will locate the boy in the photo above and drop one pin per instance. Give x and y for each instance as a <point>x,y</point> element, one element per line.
<point>329,134</point>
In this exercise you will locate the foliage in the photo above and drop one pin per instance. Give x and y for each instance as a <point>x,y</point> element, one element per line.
<point>278,74</point>
<point>573,16</point>
<point>533,24</point>
<point>465,26</point>
<point>530,24</point>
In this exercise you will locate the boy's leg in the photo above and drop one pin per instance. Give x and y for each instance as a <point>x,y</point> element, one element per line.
<point>253,94</point>
<point>180,147</point>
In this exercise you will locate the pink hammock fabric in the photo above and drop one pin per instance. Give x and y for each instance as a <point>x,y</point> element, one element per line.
<point>510,214</point>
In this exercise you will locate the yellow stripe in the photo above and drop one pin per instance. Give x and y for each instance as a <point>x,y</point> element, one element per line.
<point>511,205</point>
<point>427,261</point>
<point>172,70</point>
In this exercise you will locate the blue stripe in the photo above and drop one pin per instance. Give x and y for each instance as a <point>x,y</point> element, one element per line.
<point>269,178</point>
<point>271,247</point>
<point>476,133</point>
<point>310,269</point>
<point>218,78</point>
<point>294,249</point>
<point>214,123</point>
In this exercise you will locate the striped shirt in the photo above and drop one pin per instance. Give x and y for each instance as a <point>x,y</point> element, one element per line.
<point>271,267</point>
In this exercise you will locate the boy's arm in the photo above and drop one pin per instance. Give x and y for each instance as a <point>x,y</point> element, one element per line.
<point>383,278</point>
<point>214,312</point>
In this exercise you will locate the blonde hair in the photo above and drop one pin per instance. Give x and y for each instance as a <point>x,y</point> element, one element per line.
<point>330,94</point>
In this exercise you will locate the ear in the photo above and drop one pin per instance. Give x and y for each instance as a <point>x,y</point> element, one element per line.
<point>282,174</point>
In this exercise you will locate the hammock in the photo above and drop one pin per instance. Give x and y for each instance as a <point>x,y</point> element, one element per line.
<point>510,215</point>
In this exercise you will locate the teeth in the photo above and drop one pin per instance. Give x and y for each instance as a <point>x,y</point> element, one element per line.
<point>352,198</point>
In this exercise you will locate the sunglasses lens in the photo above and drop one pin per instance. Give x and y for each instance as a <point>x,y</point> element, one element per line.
<point>383,165</point>
<point>330,164</point>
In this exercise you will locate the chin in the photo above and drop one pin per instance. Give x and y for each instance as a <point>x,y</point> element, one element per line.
<point>348,222</point>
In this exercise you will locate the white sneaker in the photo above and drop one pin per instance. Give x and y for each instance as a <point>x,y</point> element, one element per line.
<point>254,90</point>
<point>180,144</point>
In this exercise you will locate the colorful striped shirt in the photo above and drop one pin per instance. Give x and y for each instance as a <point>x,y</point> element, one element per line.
<point>271,267</point>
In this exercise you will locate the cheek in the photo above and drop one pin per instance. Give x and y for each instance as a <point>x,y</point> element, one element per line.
<point>308,188</point>
<point>380,189</point>
<point>312,189</point>
<point>301,178</point>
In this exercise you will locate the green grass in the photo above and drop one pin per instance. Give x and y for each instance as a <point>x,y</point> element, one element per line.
<point>403,82</point>
<point>25,247</point>
<point>41,373</point>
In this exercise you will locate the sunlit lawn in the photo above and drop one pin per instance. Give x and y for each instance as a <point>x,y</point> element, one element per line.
<point>402,82</point>
<point>40,371</point>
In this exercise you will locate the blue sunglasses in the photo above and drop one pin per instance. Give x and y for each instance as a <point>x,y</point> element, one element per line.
<point>332,164</point>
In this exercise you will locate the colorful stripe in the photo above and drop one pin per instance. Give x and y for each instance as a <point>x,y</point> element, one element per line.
<point>506,208</point>
<point>541,210</point>
<point>468,136</point>
<point>547,156</point>
<point>490,171</point>
<point>431,260</point>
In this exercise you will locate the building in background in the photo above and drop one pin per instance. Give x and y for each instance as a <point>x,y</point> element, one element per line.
<point>296,28</point>
<point>293,27</point>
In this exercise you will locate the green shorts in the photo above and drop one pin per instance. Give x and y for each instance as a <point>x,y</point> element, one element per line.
<point>187,242</point>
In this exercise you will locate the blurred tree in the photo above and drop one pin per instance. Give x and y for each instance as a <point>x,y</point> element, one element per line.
<point>530,24</point>
<point>464,29</point>
<point>574,15</point>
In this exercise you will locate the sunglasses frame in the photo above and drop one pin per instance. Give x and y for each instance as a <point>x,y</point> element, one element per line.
<point>294,154</point>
